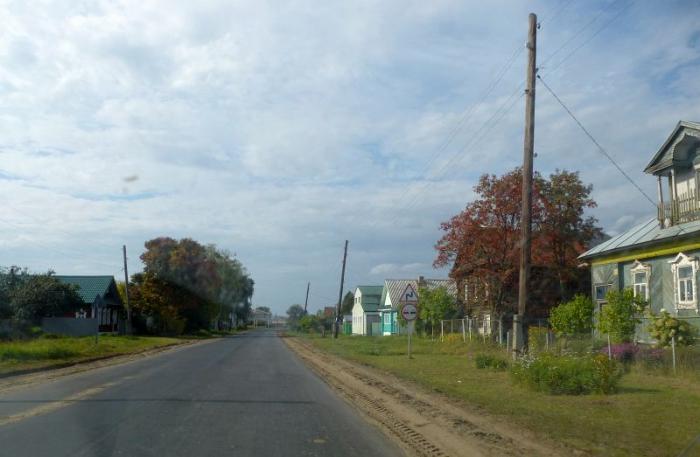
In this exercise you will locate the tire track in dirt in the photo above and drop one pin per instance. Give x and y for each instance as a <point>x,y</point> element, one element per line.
<point>425,424</point>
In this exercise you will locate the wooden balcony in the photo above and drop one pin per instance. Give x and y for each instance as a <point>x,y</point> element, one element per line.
<point>684,208</point>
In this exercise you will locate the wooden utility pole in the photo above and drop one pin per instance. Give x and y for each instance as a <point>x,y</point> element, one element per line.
<point>306,302</point>
<point>526,214</point>
<point>338,316</point>
<point>126,292</point>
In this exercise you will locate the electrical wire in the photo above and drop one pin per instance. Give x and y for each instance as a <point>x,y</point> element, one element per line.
<point>590,136</point>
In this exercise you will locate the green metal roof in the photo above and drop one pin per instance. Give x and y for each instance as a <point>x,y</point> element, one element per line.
<point>90,287</point>
<point>371,296</point>
<point>643,235</point>
<point>371,290</point>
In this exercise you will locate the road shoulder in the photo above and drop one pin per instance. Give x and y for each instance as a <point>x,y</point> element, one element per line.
<point>424,423</point>
<point>13,381</point>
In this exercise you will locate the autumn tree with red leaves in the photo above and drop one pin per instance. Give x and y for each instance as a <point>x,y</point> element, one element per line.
<point>482,243</point>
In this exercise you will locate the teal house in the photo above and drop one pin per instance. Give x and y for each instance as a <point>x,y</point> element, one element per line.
<point>659,258</point>
<point>390,303</point>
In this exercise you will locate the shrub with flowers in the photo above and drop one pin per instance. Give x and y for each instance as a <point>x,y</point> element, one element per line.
<point>663,327</point>
<point>568,374</point>
<point>622,352</point>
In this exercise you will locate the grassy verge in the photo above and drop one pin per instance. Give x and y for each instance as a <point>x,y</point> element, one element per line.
<point>18,356</point>
<point>652,415</point>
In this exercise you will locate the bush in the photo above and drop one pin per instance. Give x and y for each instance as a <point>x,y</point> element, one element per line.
<point>452,338</point>
<point>663,327</point>
<point>620,315</point>
<point>490,361</point>
<point>568,375</point>
<point>574,317</point>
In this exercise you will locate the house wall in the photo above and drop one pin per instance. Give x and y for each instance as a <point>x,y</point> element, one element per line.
<point>357,319</point>
<point>69,326</point>
<point>662,289</point>
<point>685,181</point>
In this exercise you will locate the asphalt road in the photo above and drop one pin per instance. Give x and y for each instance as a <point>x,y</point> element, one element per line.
<point>246,395</point>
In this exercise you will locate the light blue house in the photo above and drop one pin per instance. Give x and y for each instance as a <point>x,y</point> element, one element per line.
<point>659,258</point>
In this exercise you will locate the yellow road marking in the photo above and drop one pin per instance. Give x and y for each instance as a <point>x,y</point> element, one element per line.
<point>54,405</point>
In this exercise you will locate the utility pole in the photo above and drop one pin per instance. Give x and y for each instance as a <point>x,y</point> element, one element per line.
<point>306,302</point>
<point>126,292</point>
<point>526,214</point>
<point>338,317</point>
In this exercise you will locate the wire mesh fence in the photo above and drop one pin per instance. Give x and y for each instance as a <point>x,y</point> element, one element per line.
<point>641,354</point>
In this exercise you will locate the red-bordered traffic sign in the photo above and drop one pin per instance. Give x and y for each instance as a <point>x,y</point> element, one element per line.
<point>409,312</point>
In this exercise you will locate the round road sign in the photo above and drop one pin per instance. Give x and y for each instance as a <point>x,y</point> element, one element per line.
<point>409,312</point>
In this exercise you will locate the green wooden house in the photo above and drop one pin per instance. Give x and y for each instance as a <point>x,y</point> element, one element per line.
<point>100,300</point>
<point>659,258</point>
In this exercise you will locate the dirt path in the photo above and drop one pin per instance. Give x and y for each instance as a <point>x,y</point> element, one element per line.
<point>422,422</point>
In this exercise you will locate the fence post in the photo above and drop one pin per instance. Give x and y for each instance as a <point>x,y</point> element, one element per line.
<point>442,330</point>
<point>508,340</point>
<point>470,329</point>
<point>464,334</point>
<point>609,348</point>
<point>673,352</point>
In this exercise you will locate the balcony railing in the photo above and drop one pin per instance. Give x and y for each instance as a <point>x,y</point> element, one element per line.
<point>684,208</point>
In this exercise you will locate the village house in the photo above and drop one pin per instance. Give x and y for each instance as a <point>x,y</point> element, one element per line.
<point>100,300</point>
<point>364,310</point>
<point>390,303</point>
<point>658,259</point>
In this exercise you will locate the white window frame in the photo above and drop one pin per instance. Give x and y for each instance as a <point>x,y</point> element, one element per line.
<point>607,285</point>
<point>681,261</point>
<point>639,267</point>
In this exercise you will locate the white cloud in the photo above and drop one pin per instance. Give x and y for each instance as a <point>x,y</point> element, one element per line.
<point>278,130</point>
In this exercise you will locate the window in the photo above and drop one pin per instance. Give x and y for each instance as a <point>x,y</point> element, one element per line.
<point>685,284</point>
<point>601,290</point>
<point>684,278</point>
<point>640,279</point>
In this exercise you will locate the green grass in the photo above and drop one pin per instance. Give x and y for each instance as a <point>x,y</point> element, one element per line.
<point>651,415</point>
<point>46,352</point>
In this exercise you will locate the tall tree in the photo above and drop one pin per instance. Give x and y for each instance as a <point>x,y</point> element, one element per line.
<point>348,303</point>
<point>483,241</point>
<point>184,281</point>
<point>565,230</point>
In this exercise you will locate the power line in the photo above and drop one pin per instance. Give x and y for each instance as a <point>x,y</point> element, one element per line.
<point>600,148</point>
<point>578,33</point>
<point>591,37</point>
<point>468,113</point>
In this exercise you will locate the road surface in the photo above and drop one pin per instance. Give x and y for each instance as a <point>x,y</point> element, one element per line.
<point>246,395</point>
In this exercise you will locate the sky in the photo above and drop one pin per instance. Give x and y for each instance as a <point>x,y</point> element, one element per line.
<point>277,130</point>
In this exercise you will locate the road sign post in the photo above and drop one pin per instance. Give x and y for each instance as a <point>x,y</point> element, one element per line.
<point>409,311</point>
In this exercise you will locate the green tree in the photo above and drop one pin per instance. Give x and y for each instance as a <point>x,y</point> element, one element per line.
<point>184,281</point>
<point>620,315</point>
<point>574,317</point>
<point>564,230</point>
<point>37,296</point>
<point>348,303</point>
<point>434,305</point>
<point>294,315</point>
